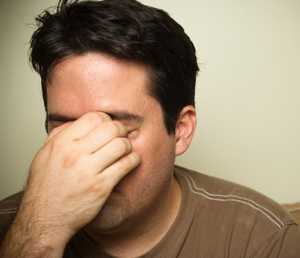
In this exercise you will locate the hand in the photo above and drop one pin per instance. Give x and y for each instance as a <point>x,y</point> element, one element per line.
<point>72,176</point>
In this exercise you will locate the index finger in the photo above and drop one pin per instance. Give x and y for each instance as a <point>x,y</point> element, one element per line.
<point>74,130</point>
<point>56,130</point>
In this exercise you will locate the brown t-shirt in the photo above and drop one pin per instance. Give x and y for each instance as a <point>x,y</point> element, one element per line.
<point>217,218</point>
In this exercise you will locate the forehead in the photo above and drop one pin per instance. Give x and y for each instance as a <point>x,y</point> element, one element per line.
<point>97,82</point>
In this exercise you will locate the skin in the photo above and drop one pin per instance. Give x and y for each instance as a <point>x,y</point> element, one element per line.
<point>106,166</point>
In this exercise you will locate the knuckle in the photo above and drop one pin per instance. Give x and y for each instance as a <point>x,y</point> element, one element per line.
<point>96,186</point>
<point>121,128</point>
<point>57,143</point>
<point>122,145</point>
<point>111,127</point>
<point>126,162</point>
<point>71,159</point>
<point>115,128</point>
<point>101,187</point>
<point>68,154</point>
<point>94,118</point>
<point>53,133</point>
<point>104,116</point>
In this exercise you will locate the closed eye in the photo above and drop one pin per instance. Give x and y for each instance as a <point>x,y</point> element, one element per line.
<point>129,132</point>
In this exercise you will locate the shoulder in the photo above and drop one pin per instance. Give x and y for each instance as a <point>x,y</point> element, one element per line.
<point>220,192</point>
<point>8,210</point>
<point>237,217</point>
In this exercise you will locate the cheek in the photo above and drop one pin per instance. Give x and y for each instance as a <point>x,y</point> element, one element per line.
<point>154,147</point>
<point>156,168</point>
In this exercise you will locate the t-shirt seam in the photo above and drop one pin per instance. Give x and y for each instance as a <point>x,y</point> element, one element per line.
<point>232,198</point>
<point>293,210</point>
<point>272,236</point>
<point>9,211</point>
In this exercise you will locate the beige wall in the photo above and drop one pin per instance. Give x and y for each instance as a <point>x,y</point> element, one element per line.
<point>247,95</point>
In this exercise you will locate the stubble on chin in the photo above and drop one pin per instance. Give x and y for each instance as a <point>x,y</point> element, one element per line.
<point>109,220</point>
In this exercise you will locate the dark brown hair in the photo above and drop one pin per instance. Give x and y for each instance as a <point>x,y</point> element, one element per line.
<point>125,29</point>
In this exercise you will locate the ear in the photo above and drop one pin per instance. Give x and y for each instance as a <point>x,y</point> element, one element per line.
<point>185,128</point>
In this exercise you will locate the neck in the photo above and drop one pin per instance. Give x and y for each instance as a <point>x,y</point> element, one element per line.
<point>141,239</point>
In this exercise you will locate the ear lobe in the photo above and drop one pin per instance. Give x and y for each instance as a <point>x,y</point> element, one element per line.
<point>185,128</point>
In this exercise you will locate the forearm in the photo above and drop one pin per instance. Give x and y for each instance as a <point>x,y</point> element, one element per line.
<point>69,182</point>
<point>26,240</point>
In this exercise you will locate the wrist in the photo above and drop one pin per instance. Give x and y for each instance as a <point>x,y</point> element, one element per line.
<point>31,240</point>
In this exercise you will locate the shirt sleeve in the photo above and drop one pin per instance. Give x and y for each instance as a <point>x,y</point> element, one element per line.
<point>8,211</point>
<point>285,243</point>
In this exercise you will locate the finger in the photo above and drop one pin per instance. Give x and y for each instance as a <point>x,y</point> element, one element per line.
<point>110,153</point>
<point>56,130</point>
<point>102,135</point>
<point>84,125</point>
<point>120,168</point>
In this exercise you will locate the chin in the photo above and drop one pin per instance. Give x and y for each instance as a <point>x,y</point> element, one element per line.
<point>111,218</point>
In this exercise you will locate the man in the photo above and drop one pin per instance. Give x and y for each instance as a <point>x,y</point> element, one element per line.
<point>118,82</point>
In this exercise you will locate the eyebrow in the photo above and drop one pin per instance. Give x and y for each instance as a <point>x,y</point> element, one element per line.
<point>125,116</point>
<point>117,115</point>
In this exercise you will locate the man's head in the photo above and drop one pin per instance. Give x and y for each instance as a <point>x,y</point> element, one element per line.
<point>137,65</point>
<point>126,30</point>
